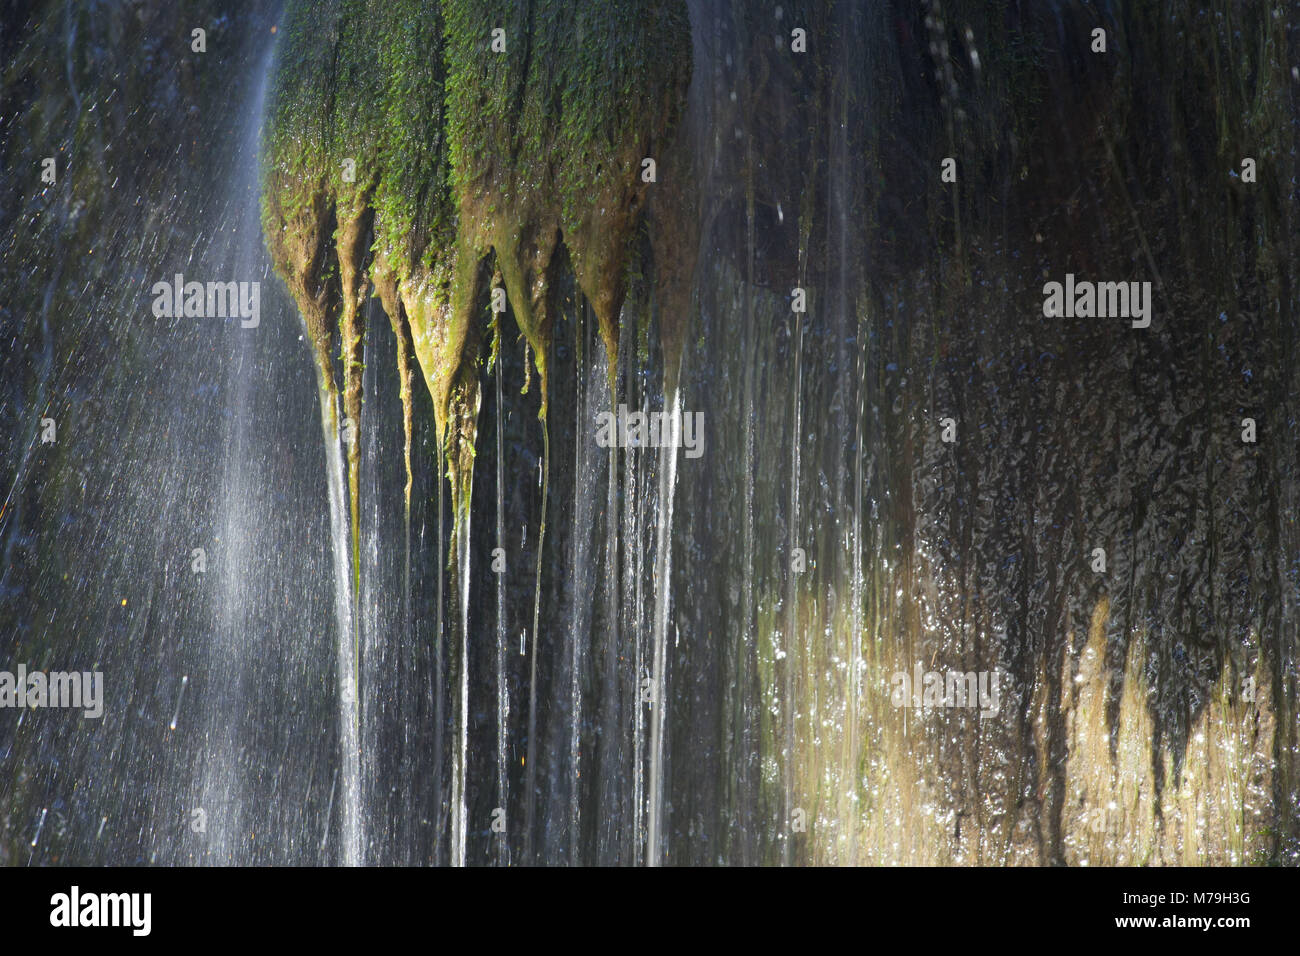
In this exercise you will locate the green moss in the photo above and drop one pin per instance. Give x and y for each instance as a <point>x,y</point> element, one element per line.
<point>460,151</point>
<point>550,134</point>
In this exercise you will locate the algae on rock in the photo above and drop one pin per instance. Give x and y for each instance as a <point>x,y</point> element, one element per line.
<point>409,122</point>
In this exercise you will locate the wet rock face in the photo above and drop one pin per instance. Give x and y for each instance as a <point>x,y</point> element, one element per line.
<point>519,153</point>
<point>1072,433</point>
<point>1100,514</point>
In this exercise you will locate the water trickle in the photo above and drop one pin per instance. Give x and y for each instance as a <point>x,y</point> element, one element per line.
<point>347,647</point>
<point>663,600</point>
<point>461,771</point>
<point>502,676</point>
<point>180,696</point>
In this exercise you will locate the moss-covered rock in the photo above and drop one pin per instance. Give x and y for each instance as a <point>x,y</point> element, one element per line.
<point>468,131</point>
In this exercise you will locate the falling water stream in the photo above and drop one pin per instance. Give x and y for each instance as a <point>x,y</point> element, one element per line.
<point>345,622</point>
<point>222,793</point>
<point>652,653</point>
<point>659,678</point>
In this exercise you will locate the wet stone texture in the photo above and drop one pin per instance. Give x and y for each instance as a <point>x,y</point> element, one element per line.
<point>912,472</point>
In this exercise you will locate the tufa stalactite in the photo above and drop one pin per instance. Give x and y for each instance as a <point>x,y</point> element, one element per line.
<point>461,159</point>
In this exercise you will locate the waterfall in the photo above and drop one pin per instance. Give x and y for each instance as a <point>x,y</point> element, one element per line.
<point>663,596</point>
<point>586,481</point>
<point>618,690</point>
<point>918,481</point>
<point>224,694</point>
<point>788,639</point>
<point>503,690</point>
<point>459,799</point>
<point>347,649</point>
